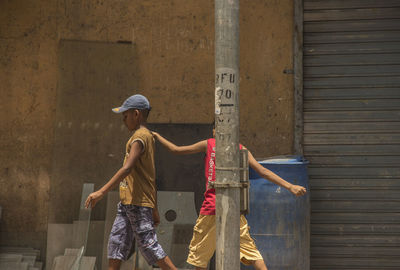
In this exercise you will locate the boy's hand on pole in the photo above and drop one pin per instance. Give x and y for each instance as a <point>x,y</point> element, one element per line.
<point>93,198</point>
<point>298,190</point>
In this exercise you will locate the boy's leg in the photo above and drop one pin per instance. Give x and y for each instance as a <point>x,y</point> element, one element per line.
<point>259,265</point>
<point>249,254</point>
<point>202,245</point>
<point>114,264</point>
<point>141,220</point>
<point>120,241</point>
<point>166,264</point>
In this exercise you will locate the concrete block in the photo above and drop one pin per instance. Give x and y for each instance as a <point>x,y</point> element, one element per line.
<point>13,265</point>
<point>9,257</point>
<point>178,216</point>
<point>111,212</point>
<point>17,254</point>
<point>58,239</point>
<point>81,227</point>
<point>38,265</point>
<point>182,203</point>
<point>71,252</point>
<point>88,263</point>
<point>94,245</point>
<point>84,213</point>
<point>80,230</point>
<point>66,262</point>
<point>30,259</point>
<point>20,250</point>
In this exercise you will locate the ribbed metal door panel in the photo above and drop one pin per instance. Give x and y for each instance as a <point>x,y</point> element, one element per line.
<point>352,132</point>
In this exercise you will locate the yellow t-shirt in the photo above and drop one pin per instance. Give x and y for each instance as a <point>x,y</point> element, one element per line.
<point>139,187</point>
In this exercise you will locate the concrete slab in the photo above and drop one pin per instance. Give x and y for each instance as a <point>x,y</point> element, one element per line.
<point>111,212</point>
<point>9,257</point>
<point>58,239</point>
<point>16,254</point>
<point>66,262</point>
<point>94,247</point>
<point>84,213</point>
<point>78,258</point>
<point>82,226</point>
<point>71,252</point>
<point>79,233</point>
<point>30,259</point>
<point>182,203</point>
<point>13,265</point>
<point>20,250</point>
<point>178,216</point>
<point>88,263</point>
<point>39,265</point>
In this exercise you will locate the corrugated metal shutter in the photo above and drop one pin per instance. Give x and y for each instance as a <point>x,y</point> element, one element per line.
<point>352,132</point>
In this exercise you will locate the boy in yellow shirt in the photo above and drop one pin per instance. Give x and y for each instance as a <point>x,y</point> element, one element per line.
<point>137,211</point>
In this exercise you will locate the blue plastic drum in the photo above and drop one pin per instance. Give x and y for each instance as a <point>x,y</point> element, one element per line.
<point>279,221</point>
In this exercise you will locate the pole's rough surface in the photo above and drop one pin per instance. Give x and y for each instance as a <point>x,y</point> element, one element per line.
<point>227,133</point>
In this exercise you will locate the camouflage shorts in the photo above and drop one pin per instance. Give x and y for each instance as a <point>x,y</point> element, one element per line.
<point>134,222</point>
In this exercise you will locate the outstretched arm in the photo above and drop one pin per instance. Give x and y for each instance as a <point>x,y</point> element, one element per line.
<point>181,150</point>
<point>269,175</point>
<point>134,154</point>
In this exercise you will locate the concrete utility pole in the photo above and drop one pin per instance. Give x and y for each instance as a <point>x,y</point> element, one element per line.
<point>227,134</point>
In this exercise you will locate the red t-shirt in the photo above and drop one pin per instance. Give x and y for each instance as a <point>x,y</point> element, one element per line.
<point>208,207</point>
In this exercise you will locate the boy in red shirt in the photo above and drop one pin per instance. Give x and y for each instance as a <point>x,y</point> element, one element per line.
<point>202,245</point>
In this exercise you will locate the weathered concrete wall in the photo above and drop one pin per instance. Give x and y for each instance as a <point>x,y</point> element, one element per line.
<point>28,61</point>
<point>266,93</point>
<point>175,65</point>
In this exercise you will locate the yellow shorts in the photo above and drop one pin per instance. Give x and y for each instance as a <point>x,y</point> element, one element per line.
<point>202,246</point>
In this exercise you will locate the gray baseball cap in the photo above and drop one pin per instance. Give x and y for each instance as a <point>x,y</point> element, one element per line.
<point>134,102</point>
